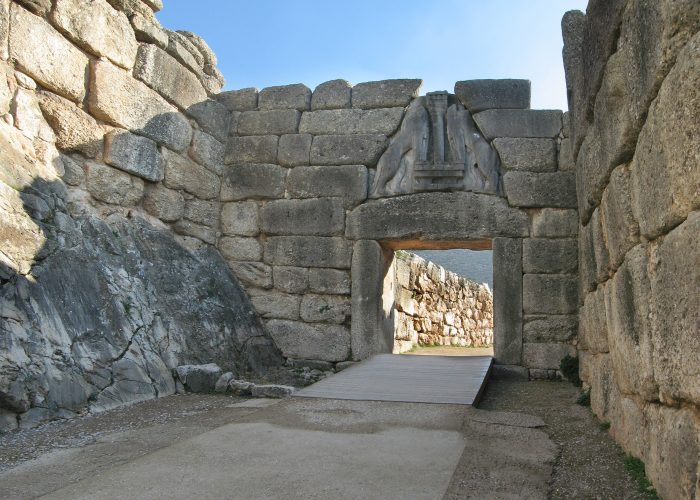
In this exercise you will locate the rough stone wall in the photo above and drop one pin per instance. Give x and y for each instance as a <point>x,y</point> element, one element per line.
<point>435,306</point>
<point>111,153</point>
<point>633,76</point>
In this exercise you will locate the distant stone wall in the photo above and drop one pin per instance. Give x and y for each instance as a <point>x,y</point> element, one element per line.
<point>633,75</point>
<point>435,306</point>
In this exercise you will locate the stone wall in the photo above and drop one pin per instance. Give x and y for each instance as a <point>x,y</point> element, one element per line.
<point>435,306</point>
<point>633,74</point>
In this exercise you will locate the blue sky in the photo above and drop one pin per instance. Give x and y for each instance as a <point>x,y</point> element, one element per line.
<point>275,42</point>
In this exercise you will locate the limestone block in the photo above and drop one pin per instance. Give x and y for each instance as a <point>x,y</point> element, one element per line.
<point>273,304</point>
<point>351,121</point>
<point>183,173</point>
<point>212,116</point>
<point>6,94</point>
<point>478,95</point>
<point>565,157</point>
<point>294,149</point>
<point>295,96</point>
<point>603,390</point>
<point>334,94</point>
<point>239,100</point>
<point>198,378</point>
<point>550,294</point>
<point>303,340</point>
<point>113,186</point>
<point>251,149</point>
<point>347,182</point>
<point>189,228</point>
<point>290,279</point>
<point>313,217</point>
<point>573,25</point>
<point>163,73</point>
<point>132,7</point>
<point>549,256</point>
<point>4,29</point>
<point>519,123</point>
<point>149,32</point>
<point>181,49</point>
<point>207,151</point>
<point>593,327</point>
<point>385,93</point>
<point>38,7</point>
<point>240,219</point>
<point>112,94</point>
<point>73,173</point>
<point>546,356</point>
<point>209,57</point>
<point>134,154</point>
<point>28,117</point>
<point>619,226</point>
<point>164,203</point>
<point>253,273</point>
<point>203,212</point>
<point>75,130</point>
<point>436,217</point>
<point>554,223</point>
<point>41,52</point>
<point>331,281</point>
<point>533,155</point>
<point>600,248</point>
<point>308,251</point>
<point>557,328</point>
<point>527,189</point>
<point>275,122</point>
<point>586,260</point>
<point>508,300</point>
<point>96,27</point>
<point>357,149</point>
<point>259,181</point>
<point>325,308</point>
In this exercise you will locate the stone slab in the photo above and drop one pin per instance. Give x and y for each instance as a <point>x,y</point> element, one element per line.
<point>554,223</point>
<point>550,294</point>
<point>270,122</point>
<point>239,100</point>
<point>334,94</point>
<point>251,149</point>
<point>313,217</point>
<point>519,123</point>
<point>295,96</point>
<point>134,154</point>
<point>550,256</point>
<point>554,190</point>
<point>308,251</point>
<point>508,300</point>
<point>356,149</point>
<point>347,182</point>
<point>528,154</point>
<point>351,121</point>
<point>294,150</point>
<point>257,181</point>
<point>385,93</point>
<point>478,95</point>
<point>312,341</point>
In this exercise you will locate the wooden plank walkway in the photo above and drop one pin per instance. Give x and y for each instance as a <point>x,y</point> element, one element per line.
<point>408,379</point>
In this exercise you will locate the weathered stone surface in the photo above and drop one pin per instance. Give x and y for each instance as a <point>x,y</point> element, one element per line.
<point>294,149</point>
<point>163,73</point>
<point>508,300</point>
<point>347,182</point>
<point>194,230</point>
<point>351,121</point>
<point>313,217</point>
<point>208,55</point>
<point>618,223</point>
<point>132,7</point>
<point>559,328</point>
<point>593,328</point>
<point>184,52</point>
<point>111,185</point>
<point>334,94</point>
<point>273,304</point>
<point>42,53</point>
<point>385,93</point>
<point>203,212</point>
<point>207,151</point>
<point>240,219</point>
<point>546,356</point>
<point>73,173</point>
<point>519,123</point>
<point>317,341</point>
<point>600,248</point>
<point>164,203</point>
<point>239,100</point>
<point>295,96</point>
<point>325,308</point>
<point>111,92</point>
<point>565,156</point>
<point>240,249</point>
<point>38,7</point>
<point>290,279</point>
<point>4,34</point>
<point>149,32</point>
<point>275,121</point>
<point>259,181</point>
<point>212,116</point>
<point>274,391</point>
<point>198,378</point>
<point>253,273</point>
<point>586,259</point>
<point>478,95</point>
<point>357,149</point>
<point>550,256</point>
<point>550,294</point>
<point>183,173</point>
<point>251,149</point>
<point>330,281</point>
<point>96,27</point>
<point>28,117</point>
<point>527,189</point>
<point>134,154</point>
<point>308,251</point>
<point>223,381</point>
<point>554,223</point>
<point>533,155</point>
<point>75,130</point>
<point>572,26</point>
<point>436,217</point>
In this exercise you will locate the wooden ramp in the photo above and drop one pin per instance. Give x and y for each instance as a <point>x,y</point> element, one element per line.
<point>408,379</point>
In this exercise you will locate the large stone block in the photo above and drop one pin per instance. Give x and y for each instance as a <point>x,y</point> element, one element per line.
<point>259,181</point>
<point>252,273</point>
<point>183,173</point>
<point>533,155</point>
<point>239,100</point>
<point>618,223</point>
<point>240,219</point>
<point>308,251</point>
<point>546,356</point>
<point>478,95</point>
<point>385,93</point>
<point>586,260</point>
<point>203,212</point>
<point>357,149</point>
<point>573,24</point>
<point>95,26</point>
<point>273,304</point>
<point>5,29</point>
<point>112,94</point>
<point>313,217</point>
<point>331,281</point>
<point>251,149</point>
<point>508,300</point>
<point>604,394</point>
<point>334,94</point>
<point>565,157</point>
<point>294,149</point>
<point>325,308</point>
<point>347,182</point>
<point>290,279</point>
<point>351,121</point>
<point>306,341</point>
<point>166,204</point>
<point>149,32</point>
<point>600,248</point>
<point>134,154</point>
<point>554,223</point>
<point>207,151</point>
<point>41,52</point>
<point>194,230</point>
<point>527,189</point>
<point>272,122</point>
<point>295,96</point>
<point>113,186</point>
<point>163,73</point>
<point>212,116</point>
<point>593,326</point>
<point>558,328</point>
<point>548,256</point>
<point>459,216</point>
<point>550,294</point>
<point>519,123</point>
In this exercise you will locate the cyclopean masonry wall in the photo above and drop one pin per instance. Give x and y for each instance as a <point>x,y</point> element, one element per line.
<point>434,306</point>
<point>633,74</point>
